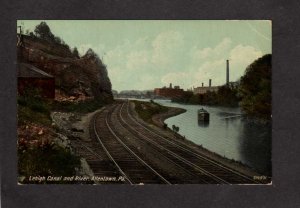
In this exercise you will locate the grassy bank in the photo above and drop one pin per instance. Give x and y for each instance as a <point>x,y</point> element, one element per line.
<point>146,110</point>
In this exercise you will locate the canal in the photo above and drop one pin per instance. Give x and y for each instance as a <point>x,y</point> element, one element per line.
<point>227,134</point>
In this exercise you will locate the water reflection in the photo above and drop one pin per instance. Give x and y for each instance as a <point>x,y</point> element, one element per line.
<point>255,146</point>
<point>203,123</point>
<point>227,134</point>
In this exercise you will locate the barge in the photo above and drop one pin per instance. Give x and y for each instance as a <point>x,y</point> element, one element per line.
<point>203,115</point>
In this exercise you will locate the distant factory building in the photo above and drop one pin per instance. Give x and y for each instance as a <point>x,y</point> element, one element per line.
<point>169,92</point>
<point>202,90</point>
<point>30,76</point>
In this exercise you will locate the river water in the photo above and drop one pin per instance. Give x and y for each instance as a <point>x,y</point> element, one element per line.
<point>227,134</point>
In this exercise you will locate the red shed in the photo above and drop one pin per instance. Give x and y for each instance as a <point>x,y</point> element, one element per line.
<point>30,76</point>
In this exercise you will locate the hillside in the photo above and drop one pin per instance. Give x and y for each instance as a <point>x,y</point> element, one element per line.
<point>84,77</point>
<point>80,85</point>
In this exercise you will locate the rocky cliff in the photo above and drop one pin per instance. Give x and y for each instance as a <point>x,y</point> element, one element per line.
<point>84,77</point>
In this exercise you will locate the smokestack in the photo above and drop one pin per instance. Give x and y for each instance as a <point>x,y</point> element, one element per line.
<point>209,82</point>
<point>171,85</point>
<point>202,84</point>
<point>227,72</point>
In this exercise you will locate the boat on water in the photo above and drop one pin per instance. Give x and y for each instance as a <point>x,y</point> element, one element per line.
<point>203,115</point>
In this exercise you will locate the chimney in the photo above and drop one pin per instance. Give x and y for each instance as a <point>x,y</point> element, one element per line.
<point>227,72</point>
<point>171,85</point>
<point>202,84</point>
<point>209,82</point>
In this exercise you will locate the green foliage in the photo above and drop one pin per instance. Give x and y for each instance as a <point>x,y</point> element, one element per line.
<point>43,31</point>
<point>209,98</point>
<point>75,52</point>
<point>255,88</point>
<point>185,98</point>
<point>27,114</point>
<point>147,110</point>
<point>226,96</point>
<point>32,107</point>
<point>46,160</point>
<point>194,99</point>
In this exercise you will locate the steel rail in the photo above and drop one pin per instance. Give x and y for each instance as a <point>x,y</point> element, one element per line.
<point>90,150</point>
<point>175,155</point>
<point>108,154</point>
<point>170,160</point>
<point>140,159</point>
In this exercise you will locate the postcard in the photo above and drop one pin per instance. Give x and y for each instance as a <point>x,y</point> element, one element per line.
<point>143,102</point>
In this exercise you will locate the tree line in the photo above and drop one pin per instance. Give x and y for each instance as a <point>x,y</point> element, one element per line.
<point>43,32</point>
<point>252,92</point>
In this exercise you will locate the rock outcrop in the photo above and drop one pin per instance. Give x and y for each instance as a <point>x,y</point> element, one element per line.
<point>80,77</point>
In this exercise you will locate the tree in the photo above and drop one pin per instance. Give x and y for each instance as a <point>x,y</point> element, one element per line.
<point>43,31</point>
<point>255,88</point>
<point>75,52</point>
<point>227,95</point>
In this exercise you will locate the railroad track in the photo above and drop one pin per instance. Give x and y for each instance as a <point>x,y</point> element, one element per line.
<point>210,171</point>
<point>132,167</point>
<point>173,171</point>
<point>98,162</point>
<point>113,151</point>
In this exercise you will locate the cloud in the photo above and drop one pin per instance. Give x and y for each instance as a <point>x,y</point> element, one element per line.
<point>210,70</point>
<point>208,52</point>
<point>147,63</point>
<point>214,68</point>
<point>166,47</point>
<point>137,60</point>
<point>244,54</point>
<point>176,78</point>
<point>240,57</point>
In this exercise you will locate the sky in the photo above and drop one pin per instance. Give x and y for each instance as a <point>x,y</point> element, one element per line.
<point>146,54</point>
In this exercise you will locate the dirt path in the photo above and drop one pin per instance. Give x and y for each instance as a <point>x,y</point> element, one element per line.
<point>74,124</point>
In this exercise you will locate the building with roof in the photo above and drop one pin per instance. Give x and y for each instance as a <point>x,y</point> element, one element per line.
<point>30,76</point>
<point>204,89</point>
<point>169,92</point>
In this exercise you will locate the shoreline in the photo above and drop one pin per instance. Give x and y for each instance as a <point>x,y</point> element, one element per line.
<point>244,115</point>
<point>158,121</point>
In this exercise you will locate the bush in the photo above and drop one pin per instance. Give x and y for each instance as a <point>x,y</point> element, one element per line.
<point>46,160</point>
<point>31,107</point>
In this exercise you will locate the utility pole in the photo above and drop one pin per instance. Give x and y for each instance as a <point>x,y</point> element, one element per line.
<point>20,31</point>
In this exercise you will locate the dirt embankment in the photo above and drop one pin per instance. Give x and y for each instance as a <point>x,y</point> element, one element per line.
<point>158,119</point>
<point>74,124</point>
